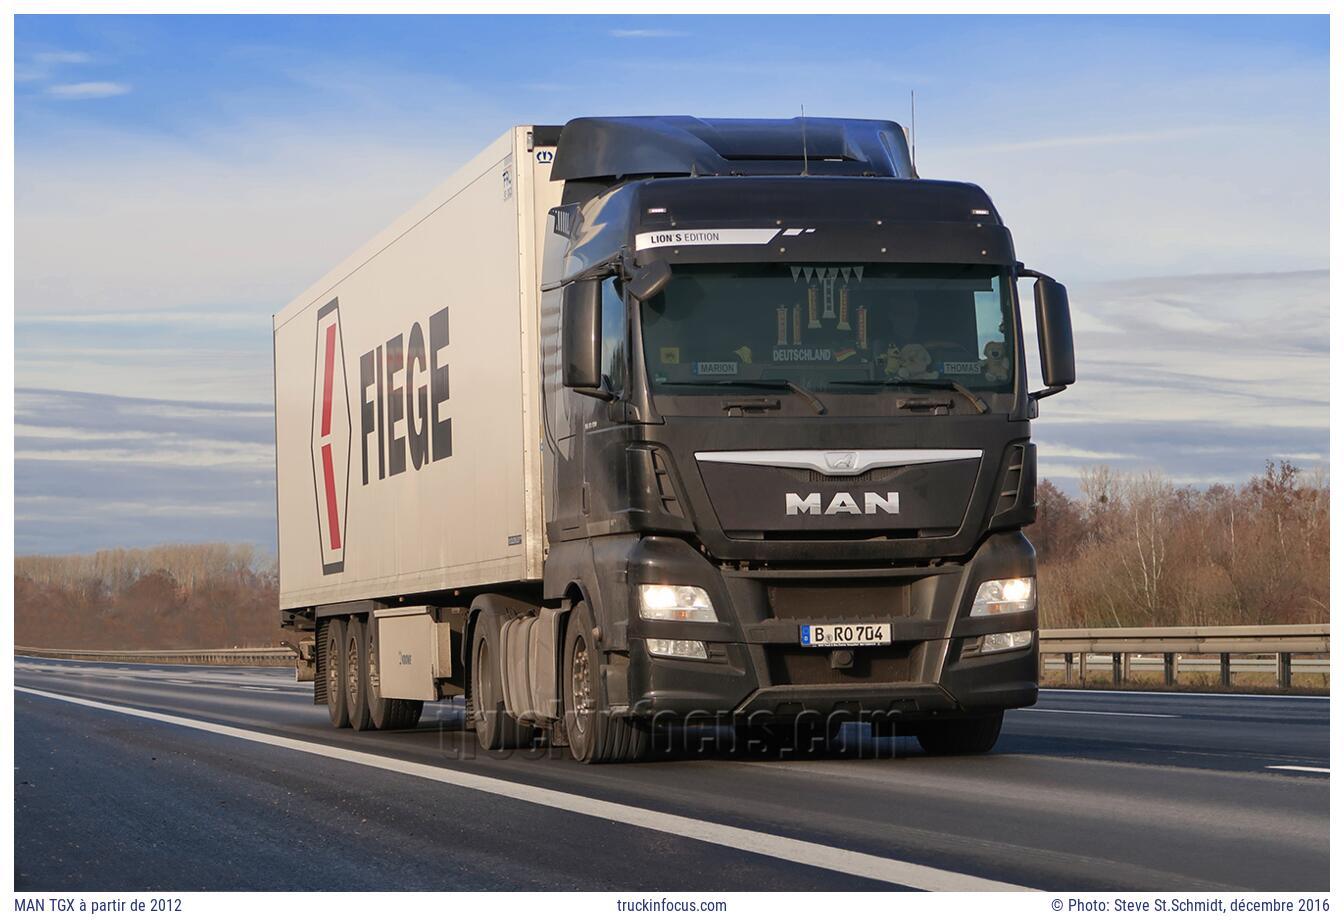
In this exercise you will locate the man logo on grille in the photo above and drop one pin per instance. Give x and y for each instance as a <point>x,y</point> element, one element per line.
<point>331,438</point>
<point>840,461</point>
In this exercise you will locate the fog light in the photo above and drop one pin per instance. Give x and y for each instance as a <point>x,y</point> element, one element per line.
<point>1004,595</point>
<point>677,648</point>
<point>1002,642</point>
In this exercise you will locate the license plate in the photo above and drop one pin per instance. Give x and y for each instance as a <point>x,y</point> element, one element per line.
<point>847,634</point>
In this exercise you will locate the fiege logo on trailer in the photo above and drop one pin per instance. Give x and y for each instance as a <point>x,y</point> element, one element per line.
<point>403,384</point>
<point>331,438</point>
<point>403,424</point>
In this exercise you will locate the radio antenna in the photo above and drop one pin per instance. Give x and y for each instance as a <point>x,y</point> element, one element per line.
<point>912,134</point>
<point>802,111</point>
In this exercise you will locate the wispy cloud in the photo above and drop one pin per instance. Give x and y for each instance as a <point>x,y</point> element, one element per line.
<point>93,89</point>
<point>184,316</point>
<point>62,57</point>
<point>255,194</point>
<point>93,470</point>
<point>41,65</point>
<point>1197,453</point>
<point>1203,377</point>
<point>647,33</point>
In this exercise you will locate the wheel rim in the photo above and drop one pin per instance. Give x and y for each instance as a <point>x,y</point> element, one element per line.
<point>333,668</point>
<point>352,667</point>
<point>580,690</point>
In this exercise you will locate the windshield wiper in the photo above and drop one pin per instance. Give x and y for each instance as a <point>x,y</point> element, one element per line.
<point>768,383</point>
<point>980,405</point>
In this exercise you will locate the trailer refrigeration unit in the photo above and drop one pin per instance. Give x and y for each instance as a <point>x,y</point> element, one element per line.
<point>652,421</point>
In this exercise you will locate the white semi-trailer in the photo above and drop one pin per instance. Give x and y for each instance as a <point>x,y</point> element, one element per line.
<point>648,421</point>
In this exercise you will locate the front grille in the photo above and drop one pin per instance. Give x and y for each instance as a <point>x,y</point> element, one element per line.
<point>796,665</point>
<point>881,474</point>
<point>846,601</point>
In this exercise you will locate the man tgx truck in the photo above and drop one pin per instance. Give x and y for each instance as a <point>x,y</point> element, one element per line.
<point>645,422</point>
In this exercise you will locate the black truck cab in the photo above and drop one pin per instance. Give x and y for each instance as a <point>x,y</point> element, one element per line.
<point>787,429</point>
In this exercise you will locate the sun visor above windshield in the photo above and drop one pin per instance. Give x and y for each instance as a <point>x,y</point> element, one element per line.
<point>792,218</point>
<point>834,242</point>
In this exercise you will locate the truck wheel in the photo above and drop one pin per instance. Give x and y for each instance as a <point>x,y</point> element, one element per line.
<point>386,715</point>
<point>334,665</point>
<point>495,728</point>
<point>357,676</point>
<point>962,736</point>
<point>595,735</point>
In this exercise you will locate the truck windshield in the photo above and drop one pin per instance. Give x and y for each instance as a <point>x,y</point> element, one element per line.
<point>831,327</point>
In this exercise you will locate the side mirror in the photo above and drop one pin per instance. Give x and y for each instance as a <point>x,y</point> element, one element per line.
<point>581,333</point>
<point>1054,331</point>
<point>649,280</point>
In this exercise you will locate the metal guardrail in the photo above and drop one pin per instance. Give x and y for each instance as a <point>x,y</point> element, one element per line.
<point>247,657</point>
<point>1078,649</point>
<point>1081,646</point>
<point>1196,665</point>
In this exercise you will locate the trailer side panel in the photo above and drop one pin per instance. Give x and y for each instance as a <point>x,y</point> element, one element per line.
<point>402,461</point>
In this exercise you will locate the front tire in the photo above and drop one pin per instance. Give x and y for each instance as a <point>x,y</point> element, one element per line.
<point>595,735</point>
<point>975,735</point>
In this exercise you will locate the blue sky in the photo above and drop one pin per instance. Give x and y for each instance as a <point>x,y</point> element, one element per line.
<point>178,179</point>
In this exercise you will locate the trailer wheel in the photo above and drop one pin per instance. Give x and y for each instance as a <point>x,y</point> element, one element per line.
<point>334,665</point>
<point>495,728</point>
<point>962,736</point>
<point>387,715</point>
<point>595,735</point>
<point>357,675</point>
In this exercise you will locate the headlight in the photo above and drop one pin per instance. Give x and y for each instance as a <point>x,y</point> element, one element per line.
<point>677,648</point>
<point>1004,595</point>
<point>684,603</point>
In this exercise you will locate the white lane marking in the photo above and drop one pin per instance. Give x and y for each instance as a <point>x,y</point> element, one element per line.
<point>1177,694</point>
<point>816,855</point>
<point>1294,767</point>
<point>1103,712</point>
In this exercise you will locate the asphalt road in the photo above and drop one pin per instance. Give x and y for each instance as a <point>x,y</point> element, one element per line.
<point>229,778</point>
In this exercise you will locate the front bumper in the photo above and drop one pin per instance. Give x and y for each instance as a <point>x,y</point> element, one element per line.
<point>757,669</point>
